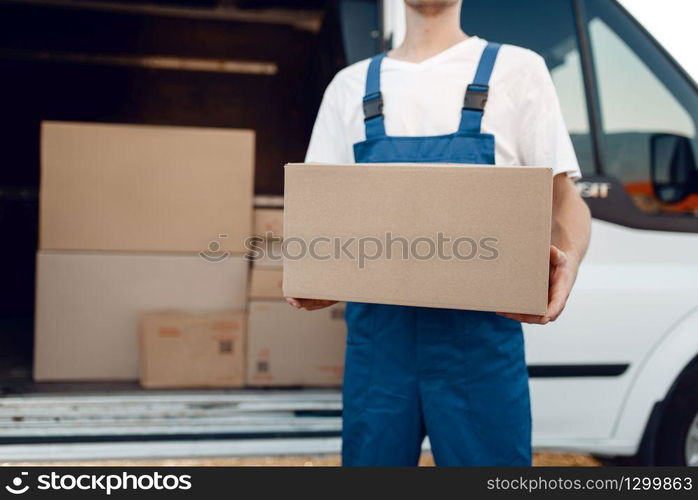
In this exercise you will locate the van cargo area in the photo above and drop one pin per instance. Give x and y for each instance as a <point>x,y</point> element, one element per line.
<point>256,65</point>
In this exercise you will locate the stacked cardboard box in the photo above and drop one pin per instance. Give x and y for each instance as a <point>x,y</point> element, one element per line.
<point>136,219</point>
<point>89,305</point>
<point>193,350</point>
<point>139,188</point>
<point>269,223</point>
<point>288,347</point>
<point>285,346</point>
<point>266,256</point>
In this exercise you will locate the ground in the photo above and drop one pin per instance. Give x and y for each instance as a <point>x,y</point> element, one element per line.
<point>540,459</point>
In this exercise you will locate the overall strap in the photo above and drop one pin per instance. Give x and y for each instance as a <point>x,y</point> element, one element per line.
<point>476,93</point>
<point>373,100</point>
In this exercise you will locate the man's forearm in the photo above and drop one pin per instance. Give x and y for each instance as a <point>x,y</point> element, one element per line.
<point>571,223</point>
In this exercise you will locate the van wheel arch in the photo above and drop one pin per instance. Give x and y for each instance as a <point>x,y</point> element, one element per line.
<point>663,442</point>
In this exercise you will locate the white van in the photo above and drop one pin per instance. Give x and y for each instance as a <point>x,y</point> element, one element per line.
<point>617,374</point>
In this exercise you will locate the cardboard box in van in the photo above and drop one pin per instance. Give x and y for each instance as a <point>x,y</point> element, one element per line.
<point>290,347</point>
<point>180,349</point>
<point>433,235</point>
<point>88,306</point>
<point>145,188</point>
<point>269,222</point>
<point>267,254</point>
<point>266,283</point>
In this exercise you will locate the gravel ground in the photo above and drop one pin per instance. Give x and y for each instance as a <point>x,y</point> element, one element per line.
<point>540,459</point>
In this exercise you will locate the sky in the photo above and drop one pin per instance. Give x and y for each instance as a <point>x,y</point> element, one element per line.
<point>673,24</point>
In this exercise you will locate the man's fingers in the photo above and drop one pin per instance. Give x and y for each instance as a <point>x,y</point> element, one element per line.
<point>315,304</point>
<point>300,303</point>
<point>527,318</point>
<point>515,317</point>
<point>309,304</point>
<point>557,294</point>
<point>294,302</point>
<point>557,256</point>
<point>559,291</point>
<point>557,303</point>
<point>319,303</point>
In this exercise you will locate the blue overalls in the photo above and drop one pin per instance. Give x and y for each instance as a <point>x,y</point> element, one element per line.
<point>457,376</point>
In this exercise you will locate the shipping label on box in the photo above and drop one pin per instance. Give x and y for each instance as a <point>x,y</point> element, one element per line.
<point>193,350</point>
<point>433,235</point>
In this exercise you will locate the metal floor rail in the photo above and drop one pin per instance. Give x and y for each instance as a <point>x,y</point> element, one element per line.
<point>169,424</point>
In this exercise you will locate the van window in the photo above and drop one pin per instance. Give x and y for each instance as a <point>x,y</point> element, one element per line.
<point>641,98</point>
<point>547,28</point>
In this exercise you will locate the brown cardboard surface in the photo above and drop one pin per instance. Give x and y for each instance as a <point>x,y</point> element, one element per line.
<point>416,201</point>
<point>267,254</point>
<point>288,347</point>
<point>266,283</point>
<point>269,221</point>
<point>145,188</point>
<point>180,349</point>
<point>88,306</point>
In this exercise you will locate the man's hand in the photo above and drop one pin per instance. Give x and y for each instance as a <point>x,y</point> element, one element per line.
<point>310,304</point>
<point>563,272</point>
<point>571,227</point>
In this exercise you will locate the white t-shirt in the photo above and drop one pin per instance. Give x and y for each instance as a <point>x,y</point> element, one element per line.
<point>422,99</point>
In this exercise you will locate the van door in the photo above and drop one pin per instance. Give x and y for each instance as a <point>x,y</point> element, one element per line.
<point>631,114</point>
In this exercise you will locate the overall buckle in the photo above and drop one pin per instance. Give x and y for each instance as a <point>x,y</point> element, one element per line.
<point>373,106</point>
<point>476,97</point>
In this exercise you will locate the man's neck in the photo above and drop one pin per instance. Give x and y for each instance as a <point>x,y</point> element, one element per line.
<point>427,35</point>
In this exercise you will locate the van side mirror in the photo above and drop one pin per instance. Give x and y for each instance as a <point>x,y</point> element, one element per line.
<point>672,167</point>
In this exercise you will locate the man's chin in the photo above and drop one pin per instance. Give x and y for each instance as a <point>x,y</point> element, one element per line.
<point>431,7</point>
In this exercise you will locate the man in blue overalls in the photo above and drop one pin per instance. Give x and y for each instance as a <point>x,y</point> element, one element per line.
<point>457,376</point>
